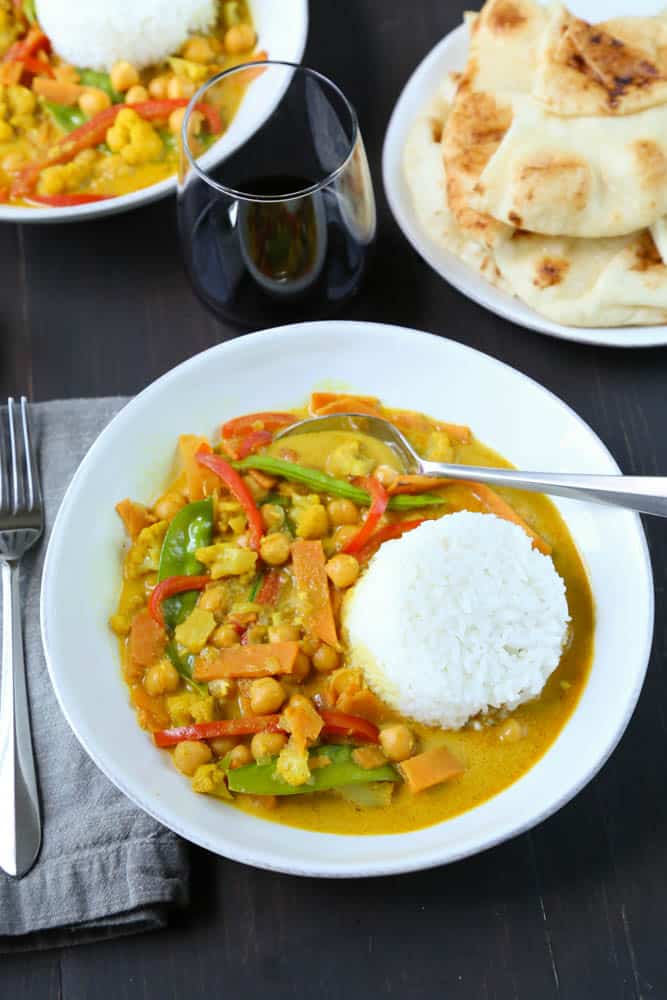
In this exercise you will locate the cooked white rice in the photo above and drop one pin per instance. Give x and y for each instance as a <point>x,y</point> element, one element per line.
<point>98,33</point>
<point>456,617</point>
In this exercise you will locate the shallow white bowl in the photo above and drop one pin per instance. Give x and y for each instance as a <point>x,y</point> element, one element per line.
<point>275,369</point>
<point>282,30</point>
<point>449,54</point>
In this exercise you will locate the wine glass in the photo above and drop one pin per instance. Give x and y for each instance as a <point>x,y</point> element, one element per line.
<point>277,216</point>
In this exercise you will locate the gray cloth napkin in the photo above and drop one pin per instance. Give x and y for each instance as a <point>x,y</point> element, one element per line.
<point>105,868</point>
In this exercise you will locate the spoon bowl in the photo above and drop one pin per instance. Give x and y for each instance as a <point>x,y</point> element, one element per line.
<point>647,494</point>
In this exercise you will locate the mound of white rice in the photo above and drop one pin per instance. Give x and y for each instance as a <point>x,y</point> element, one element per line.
<point>458,616</point>
<point>98,33</point>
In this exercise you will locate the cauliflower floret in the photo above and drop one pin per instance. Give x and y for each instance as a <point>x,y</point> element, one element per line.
<point>227,559</point>
<point>134,139</point>
<point>144,556</point>
<point>209,779</point>
<point>304,724</point>
<point>310,517</point>
<point>292,763</point>
<point>21,100</point>
<point>193,633</point>
<point>68,176</point>
<point>190,707</point>
<point>219,688</point>
<point>348,459</point>
<point>190,70</point>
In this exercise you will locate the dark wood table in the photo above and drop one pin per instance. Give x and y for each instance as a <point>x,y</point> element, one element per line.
<point>578,907</point>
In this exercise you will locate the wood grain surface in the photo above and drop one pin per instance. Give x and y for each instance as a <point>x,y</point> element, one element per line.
<point>575,909</point>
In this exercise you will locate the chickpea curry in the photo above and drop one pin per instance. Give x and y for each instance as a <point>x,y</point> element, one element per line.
<point>71,135</point>
<point>229,624</point>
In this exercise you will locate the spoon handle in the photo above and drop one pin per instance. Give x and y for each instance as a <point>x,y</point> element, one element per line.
<point>647,494</point>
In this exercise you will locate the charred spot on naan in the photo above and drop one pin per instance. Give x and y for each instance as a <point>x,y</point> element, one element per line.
<point>506,15</point>
<point>550,271</point>
<point>646,254</point>
<point>652,163</point>
<point>607,60</point>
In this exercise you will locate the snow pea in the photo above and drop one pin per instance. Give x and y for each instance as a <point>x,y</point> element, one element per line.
<point>190,529</point>
<point>262,779</point>
<point>102,81</point>
<point>184,665</point>
<point>67,118</point>
<point>320,482</point>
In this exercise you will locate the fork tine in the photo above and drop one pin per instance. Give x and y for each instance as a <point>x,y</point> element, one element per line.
<point>32,472</point>
<point>4,471</point>
<point>13,458</point>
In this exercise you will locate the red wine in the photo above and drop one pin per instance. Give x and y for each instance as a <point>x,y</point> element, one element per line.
<point>261,262</point>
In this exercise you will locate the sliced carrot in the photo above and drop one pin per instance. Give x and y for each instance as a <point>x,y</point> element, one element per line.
<point>57,91</point>
<point>259,660</point>
<point>324,403</point>
<point>246,76</point>
<point>264,421</point>
<point>147,640</point>
<point>134,516</point>
<point>496,505</point>
<point>312,586</point>
<point>407,420</point>
<point>363,703</point>
<point>430,768</point>
<point>151,711</point>
<point>200,482</point>
<point>416,484</point>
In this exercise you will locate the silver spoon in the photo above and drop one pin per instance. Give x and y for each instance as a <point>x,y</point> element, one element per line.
<point>647,494</point>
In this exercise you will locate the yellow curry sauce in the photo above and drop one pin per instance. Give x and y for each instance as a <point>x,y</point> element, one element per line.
<point>70,135</point>
<point>494,751</point>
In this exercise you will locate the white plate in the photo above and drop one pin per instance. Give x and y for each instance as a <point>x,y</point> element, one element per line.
<point>451,54</point>
<point>275,369</point>
<point>282,30</point>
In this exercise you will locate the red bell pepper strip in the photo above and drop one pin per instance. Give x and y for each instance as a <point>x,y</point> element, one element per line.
<point>268,592</point>
<point>223,727</point>
<point>37,67</point>
<point>379,501</point>
<point>252,442</point>
<point>239,489</point>
<point>244,425</point>
<point>386,534</point>
<point>33,42</point>
<point>167,588</point>
<point>342,724</point>
<point>94,131</point>
<point>67,200</point>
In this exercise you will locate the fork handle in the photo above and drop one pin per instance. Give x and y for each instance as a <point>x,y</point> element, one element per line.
<point>21,826</point>
<point>646,494</point>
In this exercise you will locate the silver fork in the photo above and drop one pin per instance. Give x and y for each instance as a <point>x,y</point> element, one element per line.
<point>21,525</point>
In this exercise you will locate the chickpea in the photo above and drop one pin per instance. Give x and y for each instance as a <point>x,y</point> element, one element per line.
<point>343,570</point>
<point>213,598</point>
<point>256,634</point>
<point>398,742</point>
<point>240,756</point>
<point>93,100</point>
<point>284,633</point>
<point>157,87</point>
<point>343,534</point>
<point>239,38</point>
<point>386,475</point>
<point>178,87</point>
<point>266,696</point>
<point>325,659</point>
<point>511,731</point>
<point>273,516</point>
<point>123,76</point>
<point>301,667</point>
<point>198,49</point>
<point>190,755</point>
<point>265,745</point>
<point>168,505</point>
<point>222,745</point>
<point>161,677</point>
<point>225,636</point>
<point>342,512</point>
<point>310,645</point>
<point>275,548</point>
<point>176,121</point>
<point>136,94</point>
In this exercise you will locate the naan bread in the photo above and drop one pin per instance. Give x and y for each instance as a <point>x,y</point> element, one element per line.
<point>585,177</point>
<point>424,173</point>
<point>501,64</point>
<point>620,281</point>
<point>618,67</point>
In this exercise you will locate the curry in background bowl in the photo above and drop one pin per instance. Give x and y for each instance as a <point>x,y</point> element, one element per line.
<point>232,637</point>
<point>72,136</point>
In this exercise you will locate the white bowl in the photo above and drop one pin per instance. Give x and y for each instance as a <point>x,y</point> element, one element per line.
<point>278,368</point>
<point>282,30</point>
<point>449,54</point>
